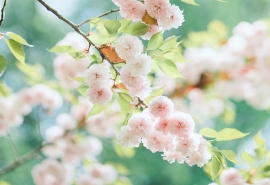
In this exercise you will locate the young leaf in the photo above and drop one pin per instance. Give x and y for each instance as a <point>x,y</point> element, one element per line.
<point>94,22</point>
<point>82,89</point>
<point>124,104</point>
<point>79,79</point>
<point>95,110</point>
<point>16,49</point>
<point>208,132</point>
<point>3,64</point>
<point>175,56</point>
<point>155,41</point>
<point>261,148</point>
<point>215,167</point>
<point>18,38</point>
<point>247,158</point>
<point>192,2</point>
<point>155,93</point>
<point>63,49</point>
<point>169,43</point>
<point>124,24</point>
<point>137,29</point>
<point>77,55</point>
<point>229,134</point>
<point>169,68</point>
<point>230,155</point>
<point>112,26</point>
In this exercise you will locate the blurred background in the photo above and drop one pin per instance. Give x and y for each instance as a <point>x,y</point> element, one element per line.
<point>43,30</point>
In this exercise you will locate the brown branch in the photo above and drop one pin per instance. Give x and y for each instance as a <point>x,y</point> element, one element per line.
<point>2,12</point>
<point>102,15</point>
<point>27,157</point>
<point>78,31</point>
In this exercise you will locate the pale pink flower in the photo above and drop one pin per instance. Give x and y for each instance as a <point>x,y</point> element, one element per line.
<point>66,121</point>
<point>162,125</point>
<point>52,151</point>
<point>173,19</point>
<point>51,172</point>
<point>142,91</point>
<point>231,176</point>
<point>99,94</point>
<point>171,156</point>
<point>182,124</point>
<point>75,40</point>
<point>156,141</point>
<point>157,8</point>
<point>55,132</point>
<point>161,106</point>
<point>132,10</point>
<point>153,29</point>
<point>128,47</point>
<point>106,173</point>
<point>130,80</point>
<point>126,137</point>
<point>140,123</point>
<point>90,146</point>
<point>140,65</point>
<point>97,73</point>
<point>198,159</point>
<point>186,145</point>
<point>81,110</point>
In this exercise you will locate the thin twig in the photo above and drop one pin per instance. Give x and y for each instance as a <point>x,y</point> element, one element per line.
<point>78,31</point>
<point>2,12</point>
<point>30,155</point>
<point>102,15</point>
<point>13,147</point>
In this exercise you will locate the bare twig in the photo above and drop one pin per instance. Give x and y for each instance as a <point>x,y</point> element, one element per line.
<point>102,15</point>
<point>13,147</point>
<point>30,155</point>
<point>2,12</point>
<point>78,31</point>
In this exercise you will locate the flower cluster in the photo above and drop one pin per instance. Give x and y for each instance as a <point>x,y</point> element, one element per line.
<point>19,104</point>
<point>162,129</point>
<point>162,13</point>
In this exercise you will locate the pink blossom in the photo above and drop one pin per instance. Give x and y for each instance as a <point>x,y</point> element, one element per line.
<point>132,10</point>
<point>140,65</point>
<point>106,173</point>
<point>142,91</point>
<point>130,80</point>
<point>99,94</point>
<point>198,159</point>
<point>182,124</point>
<point>97,73</point>
<point>162,125</point>
<point>51,172</point>
<point>161,106</point>
<point>153,29</point>
<point>171,156</point>
<point>66,121</point>
<point>187,145</point>
<point>173,19</point>
<point>157,8</point>
<point>127,47</point>
<point>231,176</point>
<point>55,132</point>
<point>141,124</point>
<point>126,137</point>
<point>156,141</point>
<point>90,146</point>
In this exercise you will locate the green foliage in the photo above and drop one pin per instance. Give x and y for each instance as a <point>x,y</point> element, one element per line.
<point>137,29</point>
<point>169,68</point>
<point>123,152</point>
<point>79,79</point>
<point>155,41</point>
<point>223,135</point>
<point>94,22</point>
<point>82,89</point>
<point>77,55</point>
<point>124,24</point>
<point>192,2</point>
<point>230,155</point>
<point>247,158</point>
<point>3,64</point>
<point>112,26</point>
<point>18,38</point>
<point>34,74</point>
<point>260,150</point>
<point>16,49</point>
<point>124,101</point>
<point>155,93</point>
<point>95,110</point>
<point>170,43</point>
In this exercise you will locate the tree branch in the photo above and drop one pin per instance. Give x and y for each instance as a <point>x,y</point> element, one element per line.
<point>2,12</point>
<point>30,155</point>
<point>102,15</point>
<point>78,31</point>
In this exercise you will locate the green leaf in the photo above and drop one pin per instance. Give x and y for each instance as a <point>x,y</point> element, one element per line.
<point>79,79</point>
<point>155,93</point>
<point>112,26</point>
<point>169,43</point>
<point>208,132</point>
<point>77,55</point>
<point>95,110</point>
<point>34,73</point>
<point>155,41</point>
<point>137,29</point>
<point>247,158</point>
<point>3,64</point>
<point>230,155</point>
<point>261,148</point>
<point>94,22</point>
<point>123,152</point>
<point>192,2</point>
<point>82,89</point>
<point>123,102</point>
<point>126,96</point>
<point>124,24</point>
<point>169,68</point>
<point>215,167</point>
<point>229,134</point>
<point>175,56</point>
<point>16,49</point>
<point>63,49</point>
<point>18,38</point>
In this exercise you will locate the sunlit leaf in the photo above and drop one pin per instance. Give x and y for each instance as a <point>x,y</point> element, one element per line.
<point>229,134</point>
<point>124,24</point>
<point>3,64</point>
<point>260,143</point>
<point>247,158</point>
<point>18,38</point>
<point>208,132</point>
<point>82,89</point>
<point>169,43</point>
<point>169,68</point>
<point>192,2</point>
<point>215,167</point>
<point>137,29</point>
<point>95,110</point>
<point>112,26</point>
<point>16,49</point>
<point>230,155</point>
<point>94,22</point>
<point>155,93</point>
<point>155,41</point>
<point>63,49</point>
